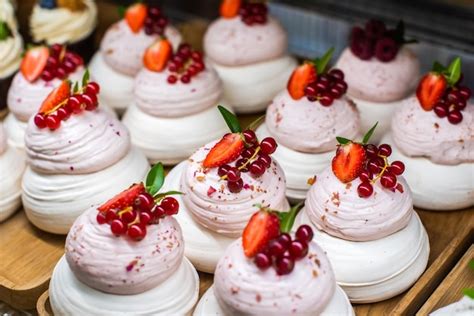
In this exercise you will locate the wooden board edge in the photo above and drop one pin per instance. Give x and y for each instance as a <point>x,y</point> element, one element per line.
<point>42,304</point>
<point>23,299</point>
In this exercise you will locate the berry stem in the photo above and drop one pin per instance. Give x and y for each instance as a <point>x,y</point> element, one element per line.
<point>251,159</point>
<point>379,175</point>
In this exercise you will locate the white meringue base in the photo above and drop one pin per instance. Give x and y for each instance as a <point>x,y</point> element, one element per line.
<point>12,165</point>
<point>250,88</point>
<point>202,246</point>
<point>434,186</point>
<point>376,270</point>
<point>339,305</point>
<point>175,296</point>
<point>298,167</point>
<point>463,307</point>
<point>115,88</point>
<point>171,140</point>
<point>373,112</point>
<point>52,202</point>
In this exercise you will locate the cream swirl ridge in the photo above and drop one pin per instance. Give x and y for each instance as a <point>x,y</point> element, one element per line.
<point>308,126</point>
<point>231,42</point>
<point>213,206</point>
<point>241,288</point>
<point>155,96</point>
<point>118,265</point>
<point>337,209</point>
<point>12,47</point>
<point>85,143</point>
<point>3,139</point>
<point>418,133</point>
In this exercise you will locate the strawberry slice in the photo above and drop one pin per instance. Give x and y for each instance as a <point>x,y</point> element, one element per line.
<point>348,162</point>
<point>262,227</point>
<point>157,55</point>
<point>300,78</point>
<point>135,16</point>
<point>229,8</point>
<point>123,199</point>
<point>55,97</point>
<point>34,62</point>
<point>430,89</point>
<point>226,150</point>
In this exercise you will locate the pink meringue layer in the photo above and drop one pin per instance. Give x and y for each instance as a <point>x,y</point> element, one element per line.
<point>119,265</point>
<point>213,206</point>
<point>3,139</point>
<point>156,97</point>
<point>418,133</point>
<point>336,208</point>
<point>231,42</point>
<point>85,143</point>
<point>376,81</point>
<point>308,126</point>
<point>243,289</point>
<point>123,50</point>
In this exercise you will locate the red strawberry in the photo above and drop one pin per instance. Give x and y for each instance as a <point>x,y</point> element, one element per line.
<point>123,199</point>
<point>157,55</point>
<point>55,97</point>
<point>135,16</point>
<point>430,89</point>
<point>348,162</point>
<point>33,62</point>
<point>262,227</point>
<point>300,78</point>
<point>225,151</point>
<point>230,8</point>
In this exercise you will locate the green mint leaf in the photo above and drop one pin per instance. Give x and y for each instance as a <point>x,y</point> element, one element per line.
<point>323,61</point>
<point>121,11</point>
<point>438,67</point>
<point>367,135</point>
<point>454,71</point>
<point>342,140</point>
<point>256,123</point>
<point>155,179</point>
<point>85,78</point>
<point>288,219</point>
<point>468,292</point>
<point>76,87</point>
<point>230,119</point>
<point>4,31</point>
<point>160,195</point>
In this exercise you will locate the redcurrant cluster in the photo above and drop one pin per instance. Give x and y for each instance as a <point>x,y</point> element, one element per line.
<point>378,168</point>
<point>374,39</point>
<point>185,64</point>
<point>60,63</point>
<point>132,220</point>
<point>155,22</point>
<point>254,159</point>
<point>84,99</point>
<point>453,102</point>
<point>327,87</point>
<point>282,252</point>
<point>253,13</point>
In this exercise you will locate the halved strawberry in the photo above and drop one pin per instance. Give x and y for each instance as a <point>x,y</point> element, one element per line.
<point>135,16</point>
<point>348,162</point>
<point>230,8</point>
<point>430,89</point>
<point>33,62</point>
<point>123,199</point>
<point>225,151</point>
<point>55,97</point>
<point>300,78</point>
<point>157,55</point>
<point>262,227</point>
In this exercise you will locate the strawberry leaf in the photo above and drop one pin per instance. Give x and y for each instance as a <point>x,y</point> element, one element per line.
<point>230,119</point>
<point>469,292</point>
<point>367,135</point>
<point>288,219</point>
<point>342,140</point>
<point>323,61</point>
<point>76,87</point>
<point>155,179</point>
<point>85,78</point>
<point>160,195</point>
<point>4,31</point>
<point>454,71</point>
<point>256,123</point>
<point>121,11</point>
<point>438,67</point>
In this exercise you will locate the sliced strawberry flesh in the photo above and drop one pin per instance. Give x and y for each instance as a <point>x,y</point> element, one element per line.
<point>348,162</point>
<point>34,62</point>
<point>135,16</point>
<point>226,150</point>
<point>430,89</point>
<point>230,8</point>
<point>299,79</point>
<point>123,199</point>
<point>157,55</point>
<point>262,227</point>
<point>55,98</point>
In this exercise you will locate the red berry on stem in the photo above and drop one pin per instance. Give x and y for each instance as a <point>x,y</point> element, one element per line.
<point>265,159</point>
<point>40,120</point>
<point>185,79</point>
<point>375,165</point>
<point>441,110</point>
<point>365,189</point>
<point>465,92</point>
<point>136,232</point>
<point>388,180</point>
<point>249,136</point>
<point>110,216</point>
<point>128,216</point>
<point>455,117</point>
<point>53,122</point>
<point>326,99</point>
<point>93,88</point>
<point>257,168</point>
<point>337,74</point>
<point>101,218</point>
<point>275,248</point>
<point>144,202</point>
<point>284,265</point>
<point>397,168</point>
<point>304,233</point>
<point>262,261</point>
<point>233,174</point>
<point>385,150</point>
<point>222,171</point>
<point>298,249</point>
<point>235,187</point>
<point>145,217</point>
<point>63,113</point>
<point>248,152</point>
<point>268,145</point>
<point>118,227</point>
<point>90,101</point>
<point>75,103</point>
<point>285,240</point>
<point>158,211</point>
<point>365,176</point>
<point>240,165</point>
<point>461,104</point>
<point>172,79</point>
<point>170,205</point>
<point>371,150</point>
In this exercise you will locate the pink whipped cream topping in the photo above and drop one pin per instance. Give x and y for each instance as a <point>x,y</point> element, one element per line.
<point>119,265</point>
<point>376,81</point>
<point>241,288</point>
<point>156,97</point>
<point>3,139</point>
<point>230,42</point>
<point>123,50</point>
<point>25,98</point>
<point>216,208</point>
<point>337,209</point>
<point>85,143</point>
<point>308,126</point>
<point>418,133</point>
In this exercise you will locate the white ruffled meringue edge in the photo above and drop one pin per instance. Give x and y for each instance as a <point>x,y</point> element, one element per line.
<point>12,165</point>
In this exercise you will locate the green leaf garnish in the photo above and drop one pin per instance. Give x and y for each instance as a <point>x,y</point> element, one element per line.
<point>155,179</point>
<point>288,219</point>
<point>121,10</point>
<point>367,135</point>
<point>468,292</point>
<point>454,71</point>
<point>230,119</point>
<point>5,31</point>
<point>322,62</point>
<point>85,78</point>
<point>160,195</point>
<point>76,87</point>
<point>342,140</point>
<point>438,67</point>
<point>256,123</point>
